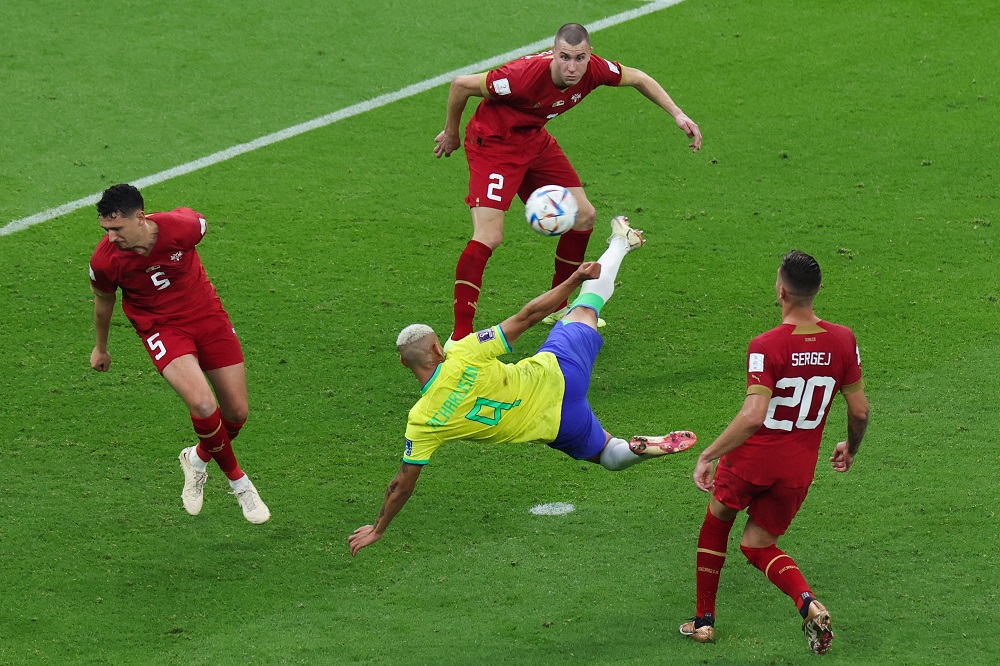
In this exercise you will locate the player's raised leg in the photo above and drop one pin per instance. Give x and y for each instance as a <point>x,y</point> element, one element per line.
<point>595,293</point>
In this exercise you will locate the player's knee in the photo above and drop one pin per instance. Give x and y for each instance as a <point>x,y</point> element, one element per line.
<point>585,217</point>
<point>490,239</point>
<point>236,413</point>
<point>203,407</point>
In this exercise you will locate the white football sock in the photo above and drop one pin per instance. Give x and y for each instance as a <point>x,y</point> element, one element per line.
<point>197,463</point>
<point>240,484</point>
<point>617,455</point>
<point>610,262</point>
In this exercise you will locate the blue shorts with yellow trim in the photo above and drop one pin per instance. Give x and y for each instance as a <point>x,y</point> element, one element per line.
<point>575,346</point>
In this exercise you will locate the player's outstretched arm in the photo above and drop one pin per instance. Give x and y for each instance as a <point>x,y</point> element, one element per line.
<point>542,306</point>
<point>400,489</point>
<point>462,88</point>
<point>104,308</point>
<point>655,93</point>
<point>857,424</point>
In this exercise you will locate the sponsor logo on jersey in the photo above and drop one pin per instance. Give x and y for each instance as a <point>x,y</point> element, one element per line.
<point>558,102</point>
<point>501,87</point>
<point>486,336</point>
<point>153,268</point>
<point>551,116</point>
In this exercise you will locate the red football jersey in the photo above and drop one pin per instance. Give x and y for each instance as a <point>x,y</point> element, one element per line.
<point>168,286</point>
<point>802,368</point>
<point>524,97</point>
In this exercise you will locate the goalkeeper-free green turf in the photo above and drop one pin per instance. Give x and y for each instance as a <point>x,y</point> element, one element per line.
<point>863,133</point>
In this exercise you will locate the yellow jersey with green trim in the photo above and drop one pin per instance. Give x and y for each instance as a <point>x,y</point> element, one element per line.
<point>476,397</point>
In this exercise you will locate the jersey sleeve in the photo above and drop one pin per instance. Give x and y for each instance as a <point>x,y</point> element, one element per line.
<point>605,72</point>
<point>100,281</point>
<point>504,82</point>
<point>760,369</point>
<point>485,344</point>
<point>189,226</point>
<point>852,374</point>
<point>418,451</point>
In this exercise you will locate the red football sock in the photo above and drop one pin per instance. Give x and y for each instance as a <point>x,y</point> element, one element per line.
<point>468,282</point>
<point>233,428</point>
<point>713,539</point>
<point>215,440</point>
<point>570,252</point>
<point>781,570</point>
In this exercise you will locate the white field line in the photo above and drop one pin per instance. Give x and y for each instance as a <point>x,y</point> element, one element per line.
<point>328,119</point>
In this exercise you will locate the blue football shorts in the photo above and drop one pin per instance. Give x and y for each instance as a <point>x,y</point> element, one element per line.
<point>575,346</point>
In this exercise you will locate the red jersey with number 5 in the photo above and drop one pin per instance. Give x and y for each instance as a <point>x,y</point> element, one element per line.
<point>801,369</point>
<point>523,97</point>
<point>168,286</point>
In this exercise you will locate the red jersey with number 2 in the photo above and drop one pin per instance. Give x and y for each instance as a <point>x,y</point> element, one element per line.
<point>801,368</point>
<point>524,97</point>
<point>168,286</point>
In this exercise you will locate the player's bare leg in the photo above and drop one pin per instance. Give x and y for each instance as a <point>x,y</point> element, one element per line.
<point>230,384</point>
<point>487,234</point>
<point>572,249</point>
<point>186,378</point>
<point>184,374</point>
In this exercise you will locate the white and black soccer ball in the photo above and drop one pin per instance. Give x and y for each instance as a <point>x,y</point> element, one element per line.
<point>551,210</point>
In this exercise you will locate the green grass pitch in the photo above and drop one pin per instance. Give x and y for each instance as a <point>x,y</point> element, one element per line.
<point>862,132</point>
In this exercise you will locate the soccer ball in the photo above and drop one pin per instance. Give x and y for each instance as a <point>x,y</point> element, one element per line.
<point>551,210</point>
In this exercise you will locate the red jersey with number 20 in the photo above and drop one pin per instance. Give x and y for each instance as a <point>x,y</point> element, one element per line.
<point>801,368</point>
<point>523,97</point>
<point>168,286</point>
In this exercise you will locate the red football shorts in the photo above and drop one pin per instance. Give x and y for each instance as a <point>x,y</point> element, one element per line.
<point>500,169</point>
<point>771,507</point>
<point>211,339</point>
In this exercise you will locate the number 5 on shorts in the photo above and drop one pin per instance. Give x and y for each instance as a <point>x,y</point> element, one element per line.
<point>156,346</point>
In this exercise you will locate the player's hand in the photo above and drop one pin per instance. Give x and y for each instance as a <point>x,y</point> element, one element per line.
<point>690,128</point>
<point>100,361</point>
<point>363,536</point>
<point>842,459</point>
<point>703,475</point>
<point>589,270</point>
<point>445,144</point>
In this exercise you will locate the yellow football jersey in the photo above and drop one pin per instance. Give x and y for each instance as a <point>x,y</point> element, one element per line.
<point>474,396</point>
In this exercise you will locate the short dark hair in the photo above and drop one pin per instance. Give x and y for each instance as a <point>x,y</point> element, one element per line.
<point>122,199</point>
<point>573,34</point>
<point>801,274</point>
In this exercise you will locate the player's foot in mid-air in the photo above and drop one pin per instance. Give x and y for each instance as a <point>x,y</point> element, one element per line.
<point>620,229</point>
<point>699,630</point>
<point>559,314</point>
<point>193,494</point>
<point>253,506</point>
<point>673,442</point>
<point>817,627</point>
